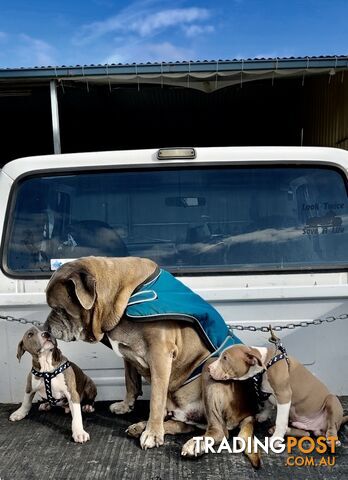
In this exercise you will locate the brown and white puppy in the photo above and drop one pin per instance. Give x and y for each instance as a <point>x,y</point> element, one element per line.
<point>298,395</point>
<point>70,388</point>
<point>227,405</point>
<point>88,298</point>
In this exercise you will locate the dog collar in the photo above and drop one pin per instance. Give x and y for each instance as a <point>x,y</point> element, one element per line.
<point>47,376</point>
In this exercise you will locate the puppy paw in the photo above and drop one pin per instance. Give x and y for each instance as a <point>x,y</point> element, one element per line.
<point>80,436</point>
<point>88,408</point>
<point>192,448</point>
<point>18,415</point>
<point>332,437</point>
<point>136,429</point>
<point>277,440</point>
<point>120,408</point>
<point>149,439</point>
<point>44,407</point>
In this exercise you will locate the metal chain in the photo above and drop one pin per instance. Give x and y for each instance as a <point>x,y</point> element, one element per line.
<point>250,328</point>
<point>290,326</point>
<point>21,320</point>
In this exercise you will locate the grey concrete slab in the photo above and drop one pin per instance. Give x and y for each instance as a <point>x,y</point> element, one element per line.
<point>40,447</point>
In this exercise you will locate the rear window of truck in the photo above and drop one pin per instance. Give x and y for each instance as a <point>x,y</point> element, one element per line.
<point>203,219</point>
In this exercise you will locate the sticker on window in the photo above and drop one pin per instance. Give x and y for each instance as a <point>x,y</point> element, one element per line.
<point>58,262</point>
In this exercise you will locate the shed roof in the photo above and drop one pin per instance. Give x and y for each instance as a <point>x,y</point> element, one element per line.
<point>205,75</point>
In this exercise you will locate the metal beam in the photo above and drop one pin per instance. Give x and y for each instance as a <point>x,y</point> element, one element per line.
<point>55,117</point>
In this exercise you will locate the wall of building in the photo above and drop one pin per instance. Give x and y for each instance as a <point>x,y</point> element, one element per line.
<point>326,111</point>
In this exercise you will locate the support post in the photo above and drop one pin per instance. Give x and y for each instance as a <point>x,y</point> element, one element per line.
<point>55,117</point>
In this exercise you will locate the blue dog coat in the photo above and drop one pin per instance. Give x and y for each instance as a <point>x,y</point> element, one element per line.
<point>166,298</point>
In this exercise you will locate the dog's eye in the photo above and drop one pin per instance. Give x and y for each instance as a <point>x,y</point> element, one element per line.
<point>30,335</point>
<point>224,357</point>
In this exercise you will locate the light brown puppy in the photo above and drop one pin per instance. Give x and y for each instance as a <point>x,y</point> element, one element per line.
<point>299,396</point>
<point>227,405</point>
<point>69,387</point>
<point>88,298</point>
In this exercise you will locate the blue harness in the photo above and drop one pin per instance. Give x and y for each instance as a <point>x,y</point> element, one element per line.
<point>47,376</point>
<point>163,297</point>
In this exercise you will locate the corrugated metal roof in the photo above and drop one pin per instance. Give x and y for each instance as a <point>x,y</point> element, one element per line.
<point>185,67</point>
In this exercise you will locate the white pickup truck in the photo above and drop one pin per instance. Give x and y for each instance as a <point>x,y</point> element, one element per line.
<point>261,233</point>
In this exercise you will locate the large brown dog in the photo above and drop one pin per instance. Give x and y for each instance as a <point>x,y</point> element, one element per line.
<point>88,298</point>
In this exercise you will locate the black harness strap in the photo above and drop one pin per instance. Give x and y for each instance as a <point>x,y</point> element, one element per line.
<point>47,376</point>
<point>257,379</point>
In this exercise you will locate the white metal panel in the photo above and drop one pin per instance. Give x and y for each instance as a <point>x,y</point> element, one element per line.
<point>210,155</point>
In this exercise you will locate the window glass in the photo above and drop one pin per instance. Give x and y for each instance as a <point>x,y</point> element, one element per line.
<point>187,219</point>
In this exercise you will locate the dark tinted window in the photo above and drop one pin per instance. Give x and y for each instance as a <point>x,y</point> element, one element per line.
<point>225,218</point>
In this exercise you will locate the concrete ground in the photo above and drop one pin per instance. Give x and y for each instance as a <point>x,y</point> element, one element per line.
<point>40,447</point>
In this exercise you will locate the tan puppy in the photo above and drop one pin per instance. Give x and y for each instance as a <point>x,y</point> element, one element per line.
<point>88,298</point>
<point>297,393</point>
<point>67,388</point>
<point>227,405</point>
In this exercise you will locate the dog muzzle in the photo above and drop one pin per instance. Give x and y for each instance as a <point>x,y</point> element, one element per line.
<point>62,329</point>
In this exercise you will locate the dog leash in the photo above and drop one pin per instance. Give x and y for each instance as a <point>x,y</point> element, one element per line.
<point>283,355</point>
<point>278,346</point>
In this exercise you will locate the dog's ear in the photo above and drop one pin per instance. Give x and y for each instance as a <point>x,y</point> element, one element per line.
<point>85,288</point>
<point>20,350</point>
<point>57,354</point>
<point>253,359</point>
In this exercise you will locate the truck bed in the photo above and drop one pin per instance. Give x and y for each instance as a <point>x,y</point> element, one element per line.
<point>41,447</point>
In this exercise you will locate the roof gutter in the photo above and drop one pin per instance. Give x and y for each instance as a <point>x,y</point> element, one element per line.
<point>248,65</point>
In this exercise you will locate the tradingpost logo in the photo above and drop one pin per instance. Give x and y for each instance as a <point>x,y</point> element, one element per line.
<point>300,450</point>
<point>309,446</point>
